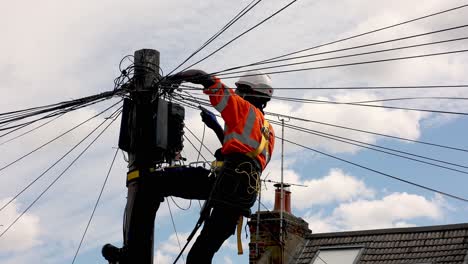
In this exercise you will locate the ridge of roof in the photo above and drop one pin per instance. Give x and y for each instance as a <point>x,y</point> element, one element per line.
<point>391,230</point>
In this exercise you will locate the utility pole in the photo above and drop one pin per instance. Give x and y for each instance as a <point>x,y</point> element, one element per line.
<point>141,207</point>
<point>138,137</point>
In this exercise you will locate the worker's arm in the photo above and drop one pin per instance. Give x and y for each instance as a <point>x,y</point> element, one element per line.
<point>210,120</point>
<point>193,76</point>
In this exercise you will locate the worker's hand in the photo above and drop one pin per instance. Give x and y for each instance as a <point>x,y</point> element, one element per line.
<point>209,119</point>
<point>194,76</point>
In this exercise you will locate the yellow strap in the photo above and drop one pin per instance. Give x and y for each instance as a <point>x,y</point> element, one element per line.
<point>217,164</point>
<point>263,144</point>
<point>133,175</point>
<point>239,233</point>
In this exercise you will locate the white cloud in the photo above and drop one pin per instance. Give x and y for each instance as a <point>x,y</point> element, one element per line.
<point>24,235</point>
<point>397,123</point>
<point>393,210</point>
<point>162,258</point>
<point>228,260</point>
<point>54,50</point>
<point>336,186</point>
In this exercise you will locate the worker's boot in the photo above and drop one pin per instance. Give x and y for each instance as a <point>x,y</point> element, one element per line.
<point>113,254</point>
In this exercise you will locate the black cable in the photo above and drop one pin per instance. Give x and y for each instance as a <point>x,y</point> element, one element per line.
<point>29,131</point>
<point>56,162</point>
<point>377,148</point>
<point>353,64</point>
<point>59,106</point>
<point>320,133</point>
<point>379,172</point>
<point>413,98</point>
<point>340,50</point>
<point>368,132</point>
<point>191,88</point>
<point>305,100</point>
<point>194,146</point>
<point>356,130</point>
<point>368,32</point>
<point>200,142</point>
<point>175,229</point>
<point>343,56</point>
<point>242,34</point>
<point>57,137</point>
<point>238,16</point>
<point>180,207</point>
<point>56,179</point>
<point>95,205</point>
<point>364,105</point>
<point>56,114</point>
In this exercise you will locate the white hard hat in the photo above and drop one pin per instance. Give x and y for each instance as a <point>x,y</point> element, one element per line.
<point>258,81</point>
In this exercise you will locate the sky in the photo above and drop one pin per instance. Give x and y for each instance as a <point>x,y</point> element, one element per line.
<point>54,51</point>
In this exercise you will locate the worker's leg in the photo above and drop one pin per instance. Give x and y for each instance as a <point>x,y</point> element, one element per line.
<point>184,182</point>
<point>219,226</point>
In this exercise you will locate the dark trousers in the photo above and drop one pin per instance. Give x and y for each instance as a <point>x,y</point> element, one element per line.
<point>232,195</point>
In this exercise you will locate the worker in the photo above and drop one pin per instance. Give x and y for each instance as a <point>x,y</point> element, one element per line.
<point>247,145</point>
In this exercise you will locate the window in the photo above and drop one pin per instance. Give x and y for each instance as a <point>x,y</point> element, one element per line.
<point>337,256</point>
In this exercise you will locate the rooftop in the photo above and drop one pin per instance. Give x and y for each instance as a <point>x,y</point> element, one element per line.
<point>446,244</point>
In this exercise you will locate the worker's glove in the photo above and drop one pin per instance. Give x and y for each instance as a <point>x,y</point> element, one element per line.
<point>193,76</point>
<point>209,118</point>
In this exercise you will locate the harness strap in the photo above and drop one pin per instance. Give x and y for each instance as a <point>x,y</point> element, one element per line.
<point>263,143</point>
<point>239,233</point>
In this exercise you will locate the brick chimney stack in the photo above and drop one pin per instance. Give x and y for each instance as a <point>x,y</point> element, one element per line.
<point>265,245</point>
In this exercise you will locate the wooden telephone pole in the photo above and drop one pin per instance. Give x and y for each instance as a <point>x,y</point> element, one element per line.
<point>141,138</point>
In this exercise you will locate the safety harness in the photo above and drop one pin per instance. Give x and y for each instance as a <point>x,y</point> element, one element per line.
<point>253,155</point>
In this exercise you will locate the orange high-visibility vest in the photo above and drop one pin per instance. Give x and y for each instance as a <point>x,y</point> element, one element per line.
<point>244,124</point>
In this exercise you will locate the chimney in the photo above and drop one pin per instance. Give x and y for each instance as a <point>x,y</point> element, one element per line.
<point>268,245</point>
<point>285,200</point>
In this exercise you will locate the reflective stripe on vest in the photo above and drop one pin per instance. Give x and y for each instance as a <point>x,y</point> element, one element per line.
<point>245,138</point>
<point>224,101</point>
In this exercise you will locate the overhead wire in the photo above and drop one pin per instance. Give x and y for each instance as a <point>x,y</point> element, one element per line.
<point>362,105</point>
<point>406,153</point>
<point>379,148</point>
<point>353,64</point>
<point>184,87</point>
<point>29,131</point>
<point>175,229</point>
<point>242,34</point>
<point>95,205</point>
<point>238,16</point>
<point>57,137</point>
<point>223,73</point>
<point>57,114</point>
<point>380,172</point>
<point>201,100</point>
<point>348,48</point>
<point>58,177</point>
<point>58,106</point>
<point>56,162</point>
<point>305,100</point>
<point>369,132</point>
<point>368,32</point>
<point>193,134</point>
